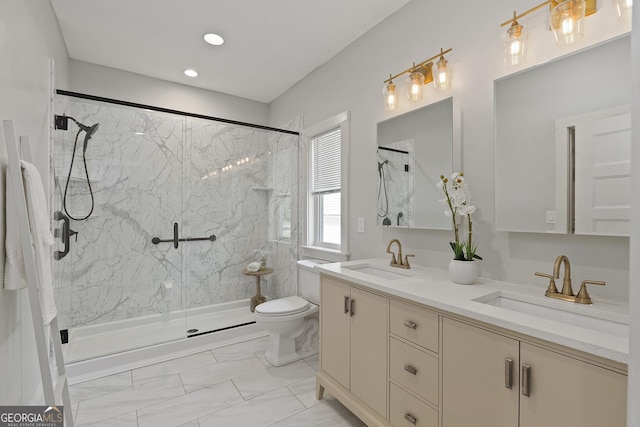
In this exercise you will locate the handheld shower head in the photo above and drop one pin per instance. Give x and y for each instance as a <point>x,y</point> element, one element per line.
<point>89,133</point>
<point>381,164</point>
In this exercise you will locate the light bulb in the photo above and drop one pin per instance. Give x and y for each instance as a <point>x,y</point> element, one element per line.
<point>414,88</point>
<point>390,97</point>
<point>566,20</point>
<point>443,75</point>
<point>623,9</point>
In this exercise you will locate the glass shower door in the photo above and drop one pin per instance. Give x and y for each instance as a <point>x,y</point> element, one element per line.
<point>115,289</point>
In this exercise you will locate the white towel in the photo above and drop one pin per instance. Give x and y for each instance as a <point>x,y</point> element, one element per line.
<point>14,276</point>
<point>42,240</point>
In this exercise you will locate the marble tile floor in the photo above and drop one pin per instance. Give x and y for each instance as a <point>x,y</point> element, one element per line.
<point>230,386</point>
<point>96,342</point>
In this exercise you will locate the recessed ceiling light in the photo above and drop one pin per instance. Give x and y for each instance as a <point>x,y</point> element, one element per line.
<point>213,39</point>
<point>190,72</point>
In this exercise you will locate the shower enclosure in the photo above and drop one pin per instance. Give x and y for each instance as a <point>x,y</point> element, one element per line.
<point>157,173</point>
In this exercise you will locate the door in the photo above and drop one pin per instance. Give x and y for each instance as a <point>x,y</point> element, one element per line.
<point>570,393</point>
<point>369,331</point>
<point>603,176</point>
<point>335,332</point>
<point>479,377</point>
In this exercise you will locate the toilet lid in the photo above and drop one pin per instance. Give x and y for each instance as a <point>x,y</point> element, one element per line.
<point>283,306</point>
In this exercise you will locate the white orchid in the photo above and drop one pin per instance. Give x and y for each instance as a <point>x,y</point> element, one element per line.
<point>458,200</point>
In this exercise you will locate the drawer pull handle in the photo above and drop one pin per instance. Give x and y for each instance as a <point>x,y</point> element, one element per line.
<point>508,372</point>
<point>526,373</point>
<point>410,369</point>
<point>413,420</point>
<point>409,324</point>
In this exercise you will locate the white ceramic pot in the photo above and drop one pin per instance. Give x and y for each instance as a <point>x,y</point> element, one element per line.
<point>463,272</point>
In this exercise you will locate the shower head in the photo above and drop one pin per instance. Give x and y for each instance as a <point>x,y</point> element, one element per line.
<point>89,133</point>
<point>380,164</point>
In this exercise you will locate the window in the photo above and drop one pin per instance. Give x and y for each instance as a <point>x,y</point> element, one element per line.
<point>325,188</point>
<point>326,207</point>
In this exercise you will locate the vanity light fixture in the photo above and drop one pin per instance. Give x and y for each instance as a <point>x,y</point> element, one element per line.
<point>419,75</point>
<point>566,19</point>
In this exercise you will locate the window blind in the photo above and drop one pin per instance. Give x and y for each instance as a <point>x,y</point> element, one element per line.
<point>326,162</point>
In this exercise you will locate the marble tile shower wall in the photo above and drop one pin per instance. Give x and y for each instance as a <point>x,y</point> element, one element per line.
<point>396,195</point>
<point>148,171</point>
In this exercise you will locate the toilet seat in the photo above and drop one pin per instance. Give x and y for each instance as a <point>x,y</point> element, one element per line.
<point>283,307</point>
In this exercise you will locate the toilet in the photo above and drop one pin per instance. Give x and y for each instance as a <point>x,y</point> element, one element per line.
<point>292,322</point>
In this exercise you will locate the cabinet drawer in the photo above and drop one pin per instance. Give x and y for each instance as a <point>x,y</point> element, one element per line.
<point>415,324</point>
<point>405,409</point>
<point>414,369</point>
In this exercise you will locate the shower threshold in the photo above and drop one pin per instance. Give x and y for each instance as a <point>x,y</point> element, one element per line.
<point>89,342</point>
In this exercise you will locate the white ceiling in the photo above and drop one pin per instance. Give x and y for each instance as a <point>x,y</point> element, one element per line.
<point>269,44</point>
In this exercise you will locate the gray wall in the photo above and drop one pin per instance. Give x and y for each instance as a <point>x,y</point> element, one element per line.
<point>353,80</point>
<point>29,36</point>
<point>122,85</point>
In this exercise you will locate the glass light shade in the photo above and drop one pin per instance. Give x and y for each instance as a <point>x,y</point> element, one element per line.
<point>442,79</point>
<point>567,21</point>
<point>415,82</point>
<point>515,44</point>
<point>390,97</point>
<point>624,8</point>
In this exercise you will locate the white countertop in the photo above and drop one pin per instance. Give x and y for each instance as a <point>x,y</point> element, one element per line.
<point>433,288</point>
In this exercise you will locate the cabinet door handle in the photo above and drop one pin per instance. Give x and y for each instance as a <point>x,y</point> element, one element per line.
<point>409,324</point>
<point>508,372</point>
<point>413,420</point>
<point>410,369</point>
<point>346,305</point>
<point>526,374</point>
<point>352,306</point>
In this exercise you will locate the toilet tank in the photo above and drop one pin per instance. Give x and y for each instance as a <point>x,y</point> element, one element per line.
<point>309,280</point>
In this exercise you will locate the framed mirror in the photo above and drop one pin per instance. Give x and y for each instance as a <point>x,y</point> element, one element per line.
<point>413,150</point>
<point>563,144</point>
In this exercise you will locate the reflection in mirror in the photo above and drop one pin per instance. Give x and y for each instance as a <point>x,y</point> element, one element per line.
<point>562,145</point>
<point>414,149</point>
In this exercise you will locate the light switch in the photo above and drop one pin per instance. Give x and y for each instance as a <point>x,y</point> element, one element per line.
<point>361,224</point>
<point>551,217</point>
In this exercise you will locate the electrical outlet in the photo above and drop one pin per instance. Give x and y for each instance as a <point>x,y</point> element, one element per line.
<point>361,224</point>
<point>551,217</point>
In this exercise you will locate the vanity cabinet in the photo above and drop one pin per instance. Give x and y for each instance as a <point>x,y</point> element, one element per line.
<point>480,383</point>
<point>353,345</point>
<point>402,364</point>
<point>496,380</point>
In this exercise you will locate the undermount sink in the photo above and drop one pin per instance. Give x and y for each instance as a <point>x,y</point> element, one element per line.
<point>551,311</point>
<point>379,271</point>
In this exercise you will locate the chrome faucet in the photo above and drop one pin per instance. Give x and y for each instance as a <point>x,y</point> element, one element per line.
<point>567,292</point>
<point>399,262</point>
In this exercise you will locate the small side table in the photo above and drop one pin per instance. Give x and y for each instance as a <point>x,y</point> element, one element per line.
<point>257,298</point>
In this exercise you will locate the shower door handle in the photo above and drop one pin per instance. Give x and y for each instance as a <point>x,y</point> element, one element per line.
<point>175,235</point>
<point>64,233</point>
